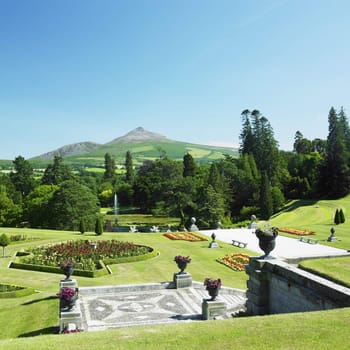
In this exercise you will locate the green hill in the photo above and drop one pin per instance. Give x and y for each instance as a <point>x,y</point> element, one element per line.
<point>143,145</point>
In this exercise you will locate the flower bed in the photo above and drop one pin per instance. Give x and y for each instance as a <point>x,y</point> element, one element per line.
<point>235,262</point>
<point>297,232</point>
<point>86,255</point>
<point>184,236</point>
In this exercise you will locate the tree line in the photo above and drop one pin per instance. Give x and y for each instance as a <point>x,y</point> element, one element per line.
<point>258,182</point>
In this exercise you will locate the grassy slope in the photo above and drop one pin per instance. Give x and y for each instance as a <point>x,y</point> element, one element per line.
<point>317,216</point>
<point>302,331</point>
<point>319,330</point>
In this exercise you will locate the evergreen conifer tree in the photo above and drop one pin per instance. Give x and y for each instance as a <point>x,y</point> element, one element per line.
<point>98,226</point>
<point>337,217</point>
<point>82,228</point>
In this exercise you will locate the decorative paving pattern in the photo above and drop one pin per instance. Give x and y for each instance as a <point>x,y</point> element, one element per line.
<point>104,308</point>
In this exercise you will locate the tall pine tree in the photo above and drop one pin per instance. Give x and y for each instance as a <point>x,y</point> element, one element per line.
<point>335,173</point>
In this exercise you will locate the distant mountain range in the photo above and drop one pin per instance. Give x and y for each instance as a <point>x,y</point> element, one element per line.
<point>141,143</point>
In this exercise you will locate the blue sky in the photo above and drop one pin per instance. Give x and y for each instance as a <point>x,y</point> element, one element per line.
<point>89,70</point>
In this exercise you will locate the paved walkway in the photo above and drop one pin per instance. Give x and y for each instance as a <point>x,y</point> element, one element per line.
<point>156,303</point>
<point>286,248</point>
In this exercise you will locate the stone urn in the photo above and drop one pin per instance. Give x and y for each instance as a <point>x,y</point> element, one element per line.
<point>213,292</point>
<point>212,286</point>
<point>267,239</point>
<point>182,262</point>
<point>67,268</point>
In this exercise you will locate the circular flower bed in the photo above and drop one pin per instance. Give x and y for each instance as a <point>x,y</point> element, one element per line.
<point>83,253</point>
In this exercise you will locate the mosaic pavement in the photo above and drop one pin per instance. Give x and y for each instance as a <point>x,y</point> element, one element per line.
<point>122,306</point>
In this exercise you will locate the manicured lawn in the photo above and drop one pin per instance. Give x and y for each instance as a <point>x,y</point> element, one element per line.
<point>302,331</point>
<point>35,314</point>
<point>336,269</point>
<point>44,305</point>
<point>317,216</point>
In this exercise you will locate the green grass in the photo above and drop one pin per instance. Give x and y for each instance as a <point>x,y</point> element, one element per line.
<point>160,269</point>
<point>317,216</point>
<point>319,330</point>
<point>302,331</point>
<point>335,269</point>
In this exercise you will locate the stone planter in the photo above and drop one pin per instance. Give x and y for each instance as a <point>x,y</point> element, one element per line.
<point>267,240</point>
<point>213,292</point>
<point>67,305</point>
<point>182,266</point>
<point>68,271</point>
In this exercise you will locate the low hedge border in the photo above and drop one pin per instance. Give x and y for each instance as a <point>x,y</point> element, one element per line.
<point>17,293</point>
<point>101,271</point>
<point>52,269</point>
<point>127,259</point>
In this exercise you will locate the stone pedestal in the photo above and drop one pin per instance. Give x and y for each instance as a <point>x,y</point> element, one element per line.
<point>182,280</point>
<point>258,288</point>
<point>73,316</point>
<point>72,283</point>
<point>213,309</point>
<point>67,318</point>
<point>213,244</point>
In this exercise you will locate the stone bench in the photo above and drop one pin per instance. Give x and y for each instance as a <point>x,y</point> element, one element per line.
<point>308,240</point>
<point>239,244</point>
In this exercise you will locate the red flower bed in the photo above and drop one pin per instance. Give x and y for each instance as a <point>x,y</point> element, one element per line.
<point>184,236</point>
<point>297,232</point>
<point>235,262</point>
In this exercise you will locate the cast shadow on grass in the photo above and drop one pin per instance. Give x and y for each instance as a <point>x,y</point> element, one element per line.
<point>48,330</point>
<point>40,300</point>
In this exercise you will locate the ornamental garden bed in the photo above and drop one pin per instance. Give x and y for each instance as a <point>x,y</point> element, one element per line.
<point>297,232</point>
<point>235,262</point>
<point>184,236</point>
<point>11,291</point>
<point>89,257</point>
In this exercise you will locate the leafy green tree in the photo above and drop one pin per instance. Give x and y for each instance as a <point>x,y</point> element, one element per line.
<point>98,226</point>
<point>4,242</point>
<point>154,182</point>
<point>23,176</point>
<point>341,216</point>
<point>56,173</point>
<point>130,175</point>
<point>10,213</point>
<point>301,144</point>
<point>71,203</point>
<point>36,205</point>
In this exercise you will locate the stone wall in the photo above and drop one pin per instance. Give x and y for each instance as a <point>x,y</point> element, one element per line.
<point>277,287</point>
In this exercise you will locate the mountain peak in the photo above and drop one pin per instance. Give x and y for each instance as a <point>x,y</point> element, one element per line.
<point>139,134</point>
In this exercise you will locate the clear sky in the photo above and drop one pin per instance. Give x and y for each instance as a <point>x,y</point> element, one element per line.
<point>93,70</point>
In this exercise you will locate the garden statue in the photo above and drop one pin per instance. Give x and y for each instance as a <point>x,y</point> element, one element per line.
<point>253,225</point>
<point>213,244</point>
<point>193,226</point>
<point>332,237</point>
